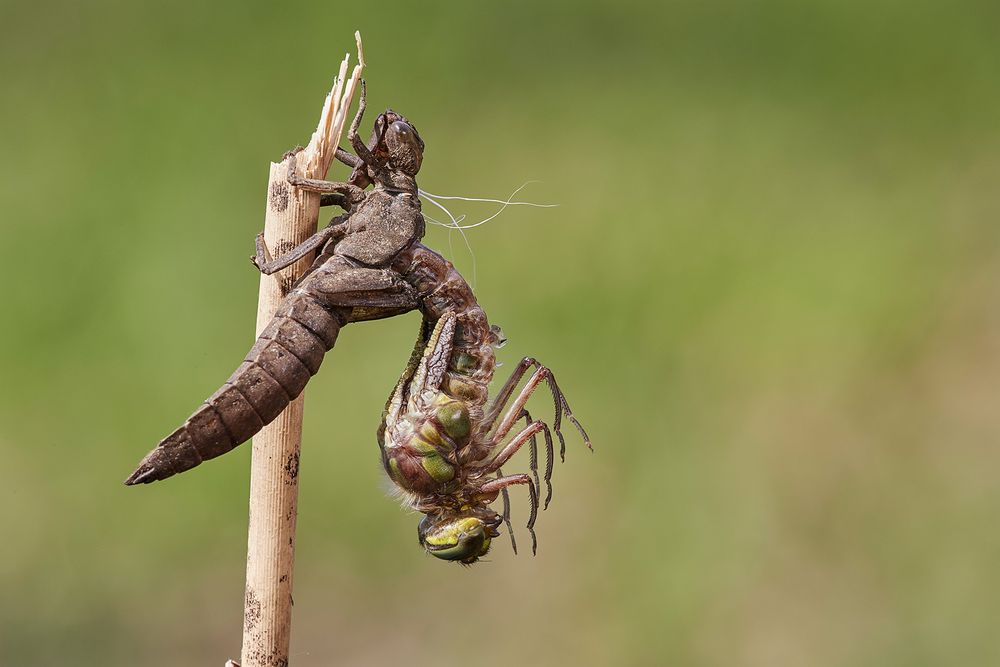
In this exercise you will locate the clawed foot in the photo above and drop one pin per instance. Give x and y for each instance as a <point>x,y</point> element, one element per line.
<point>263,256</point>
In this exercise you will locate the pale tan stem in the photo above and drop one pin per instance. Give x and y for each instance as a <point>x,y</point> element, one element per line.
<point>291,218</point>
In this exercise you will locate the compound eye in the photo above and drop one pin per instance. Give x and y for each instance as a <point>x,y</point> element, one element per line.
<point>423,528</point>
<point>462,540</point>
<point>402,130</point>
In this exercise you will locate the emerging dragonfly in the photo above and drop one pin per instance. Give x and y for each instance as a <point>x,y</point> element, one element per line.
<point>441,445</point>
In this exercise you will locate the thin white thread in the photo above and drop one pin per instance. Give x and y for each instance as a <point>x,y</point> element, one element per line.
<point>456,224</point>
<point>505,203</point>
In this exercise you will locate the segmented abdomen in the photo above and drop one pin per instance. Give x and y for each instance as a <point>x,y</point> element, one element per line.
<point>287,353</point>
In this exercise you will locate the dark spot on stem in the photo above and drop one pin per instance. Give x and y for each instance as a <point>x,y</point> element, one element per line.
<point>292,467</point>
<point>252,614</point>
<point>278,196</point>
<point>283,248</point>
<point>285,280</point>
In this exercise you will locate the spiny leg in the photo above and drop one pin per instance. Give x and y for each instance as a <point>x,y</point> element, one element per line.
<point>559,397</point>
<point>541,374</point>
<point>549,460</point>
<point>494,485</point>
<point>505,515</point>
<point>501,428</point>
<point>533,447</point>
<point>515,444</point>
<point>559,400</point>
<point>531,430</point>
<point>506,391</point>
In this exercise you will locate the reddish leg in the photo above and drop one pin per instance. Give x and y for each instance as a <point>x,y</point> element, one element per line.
<point>558,398</point>
<point>505,514</point>
<point>533,448</point>
<point>508,388</point>
<point>494,486</point>
<point>512,447</point>
<point>532,429</point>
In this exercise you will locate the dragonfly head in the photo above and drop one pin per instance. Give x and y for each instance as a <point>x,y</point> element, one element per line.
<point>396,144</point>
<point>463,537</point>
<point>396,141</point>
<point>405,147</point>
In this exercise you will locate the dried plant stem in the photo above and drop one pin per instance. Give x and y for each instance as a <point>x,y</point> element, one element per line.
<point>290,218</point>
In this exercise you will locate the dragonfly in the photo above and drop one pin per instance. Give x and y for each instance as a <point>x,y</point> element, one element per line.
<point>442,442</point>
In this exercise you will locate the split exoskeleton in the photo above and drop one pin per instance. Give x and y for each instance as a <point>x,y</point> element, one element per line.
<point>441,444</point>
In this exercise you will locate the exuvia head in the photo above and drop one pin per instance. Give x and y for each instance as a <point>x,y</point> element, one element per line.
<point>392,156</point>
<point>403,144</point>
<point>464,537</point>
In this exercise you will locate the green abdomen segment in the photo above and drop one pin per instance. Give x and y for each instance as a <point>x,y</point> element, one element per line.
<point>418,465</point>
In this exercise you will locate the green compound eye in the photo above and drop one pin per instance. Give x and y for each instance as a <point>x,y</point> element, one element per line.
<point>454,418</point>
<point>462,539</point>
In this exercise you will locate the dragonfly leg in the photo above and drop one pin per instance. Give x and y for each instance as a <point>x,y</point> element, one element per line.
<point>505,514</point>
<point>372,293</point>
<point>507,389</point>
<point>335,198</point>
<point>356,162</point>
<point>494,486</point>
<point>513,446</point>
<point>263,261</point>
<point>529,434</point>
<point>534,446</point>
<point>541,374</point>
<point>365,155</point>
<point>351,192</point>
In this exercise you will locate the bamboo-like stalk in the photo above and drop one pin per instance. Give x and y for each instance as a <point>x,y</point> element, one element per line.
<point>291,218</point>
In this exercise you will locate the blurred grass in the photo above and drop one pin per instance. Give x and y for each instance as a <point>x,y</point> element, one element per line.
<point>769,291</point>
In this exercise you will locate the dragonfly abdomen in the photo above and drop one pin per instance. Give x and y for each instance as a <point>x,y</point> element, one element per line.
<point>287,353</point>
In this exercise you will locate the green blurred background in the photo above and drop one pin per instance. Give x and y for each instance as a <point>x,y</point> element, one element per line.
<point>770,290</point>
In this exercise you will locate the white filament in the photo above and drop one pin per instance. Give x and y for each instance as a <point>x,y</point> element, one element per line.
<point>456,223</point>
<point>505,203</point>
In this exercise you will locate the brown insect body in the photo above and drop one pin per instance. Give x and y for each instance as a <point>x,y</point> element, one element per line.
<point>350,280</point>
<point>441,443</point>
<point>277,368</point>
